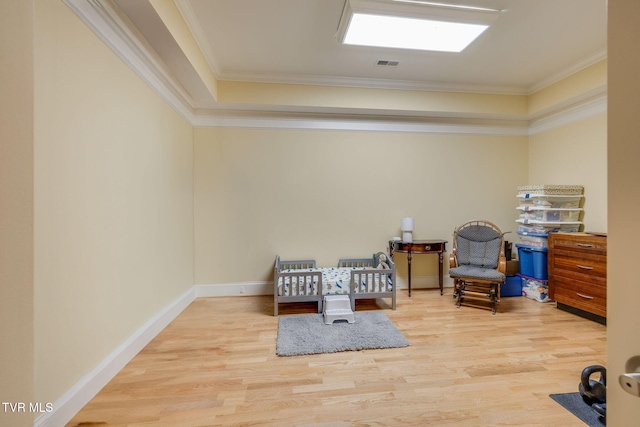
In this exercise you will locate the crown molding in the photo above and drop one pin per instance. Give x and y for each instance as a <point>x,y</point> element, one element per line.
<point>189,17</point>
<point>587,107</point>
<point>414,85</point>
<point>114,29</point>
<point>358,122</point>
<point>372,83</point>
<point>579,66</point>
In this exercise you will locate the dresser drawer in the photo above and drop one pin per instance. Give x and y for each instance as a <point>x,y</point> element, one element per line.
<point>578,273</point>
<point>581,266</point>
<point>585,296</point>
<point>580,243</point>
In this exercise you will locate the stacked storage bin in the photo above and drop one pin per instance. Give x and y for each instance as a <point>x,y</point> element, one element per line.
<point>543,209</point>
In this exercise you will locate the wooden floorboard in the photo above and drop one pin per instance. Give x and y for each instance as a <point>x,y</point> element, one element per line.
<point>215,365</point>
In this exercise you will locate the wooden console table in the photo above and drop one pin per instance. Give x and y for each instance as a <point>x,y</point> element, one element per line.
<point>420,247</point>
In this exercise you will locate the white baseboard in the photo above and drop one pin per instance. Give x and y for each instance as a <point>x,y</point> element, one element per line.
<point>80,394</point>
<point>234,289</point>
<point>423,282</point>
<point>67,406</point>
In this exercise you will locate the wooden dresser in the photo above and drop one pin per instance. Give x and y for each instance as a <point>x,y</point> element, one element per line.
<point>578,273</point>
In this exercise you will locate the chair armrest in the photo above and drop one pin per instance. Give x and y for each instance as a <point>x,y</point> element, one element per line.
<point>453,260</point>
<point>502,264</point>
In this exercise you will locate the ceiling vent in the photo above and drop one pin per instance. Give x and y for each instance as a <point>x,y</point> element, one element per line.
<point>387,63</point>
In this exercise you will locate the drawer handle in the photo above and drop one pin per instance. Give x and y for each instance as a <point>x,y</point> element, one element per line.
<point>584,267</point>
<point>584,296</point>
<point>584,245</point>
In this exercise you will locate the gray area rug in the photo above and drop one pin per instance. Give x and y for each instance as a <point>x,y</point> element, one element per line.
<point>307,334</point>
<point>573,403</point>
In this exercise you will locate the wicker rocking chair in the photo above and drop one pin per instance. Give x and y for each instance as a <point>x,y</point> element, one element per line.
<point>477,264</point>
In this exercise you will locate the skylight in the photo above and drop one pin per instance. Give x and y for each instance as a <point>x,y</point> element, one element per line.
<point>410,33</point>
<point>413,24</point>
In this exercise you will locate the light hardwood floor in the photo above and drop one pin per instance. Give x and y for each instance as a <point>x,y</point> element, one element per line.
<point>215,365</point>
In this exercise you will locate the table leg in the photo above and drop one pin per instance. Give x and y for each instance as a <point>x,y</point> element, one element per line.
<point>440,279</point>
<point>409,270</point>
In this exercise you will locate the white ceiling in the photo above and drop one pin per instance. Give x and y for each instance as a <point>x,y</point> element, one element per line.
<point>532,44</point>
<point>294,40</point>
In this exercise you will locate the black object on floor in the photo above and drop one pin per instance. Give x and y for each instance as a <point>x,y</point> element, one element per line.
<point>574,403</point>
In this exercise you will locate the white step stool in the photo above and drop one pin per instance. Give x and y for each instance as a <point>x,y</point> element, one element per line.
<point>337,307</point>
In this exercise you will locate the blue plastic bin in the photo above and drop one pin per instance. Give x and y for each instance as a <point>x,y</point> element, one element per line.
<point>512,287</point>
<point>533,262</point>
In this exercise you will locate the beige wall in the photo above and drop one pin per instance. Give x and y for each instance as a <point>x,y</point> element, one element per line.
<point>16,208</point>
<point>244,180</point>
<point>113,202</point>
<point>575,154</point>
<point>371,100</point>
<point>330,194</point>
<point>581,85</point>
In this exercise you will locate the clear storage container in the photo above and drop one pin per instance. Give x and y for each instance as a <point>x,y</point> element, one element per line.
<point>542,227</point>
<point>545,214</point>
<point>536,289</point>
<point>534,240</point>
<point>550,201</point>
